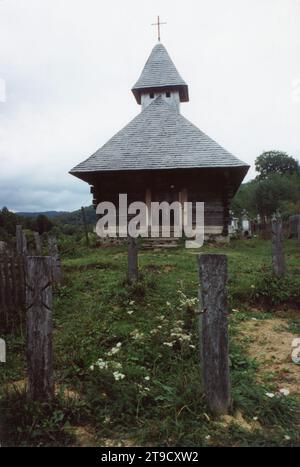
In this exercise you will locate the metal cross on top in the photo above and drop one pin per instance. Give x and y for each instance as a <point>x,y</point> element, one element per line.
<point>158,24</point>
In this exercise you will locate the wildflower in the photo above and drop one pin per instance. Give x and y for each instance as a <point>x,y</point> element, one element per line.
<point>92,367</point>
<point>147,378</point>
<point>270,394</point>
<point>284,392</point>
<point>116,365</point>
<point>130,312</point>
<point>131,302</point>
<point>192,346</point>
<point>101,364</point>
<point>168,303</point>
<point>255,418</point>
<point>118,375</point>
<point>207,437</point>
<point>169,344</point>
<point>136,334</point>
<point>287,437</point>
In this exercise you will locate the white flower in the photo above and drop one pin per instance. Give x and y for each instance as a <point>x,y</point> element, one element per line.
<point>270,394</point>
<point>115,349</point>
<point>131,302</point>
<point>118,375</point>
<point>192,346</point>
<point>101,364</point>
<point>147,378</point>
<point>287,437</point>
<point>284,392</point>
<point>169,344</point>
<point>116,365</point>
<point>168,303</point>
<point>207,437</point>
<point>92,367</point>
<point>255,418</point>
<point>130,312</point>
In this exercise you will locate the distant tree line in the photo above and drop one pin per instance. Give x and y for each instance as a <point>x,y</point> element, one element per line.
<point>9,220</point>
<point>276,187</point>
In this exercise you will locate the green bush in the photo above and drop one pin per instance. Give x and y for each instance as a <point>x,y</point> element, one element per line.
<point>272,290</point>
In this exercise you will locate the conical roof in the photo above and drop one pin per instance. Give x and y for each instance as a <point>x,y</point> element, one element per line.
<point>160,72</point>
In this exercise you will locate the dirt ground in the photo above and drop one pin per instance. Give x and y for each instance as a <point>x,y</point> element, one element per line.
<point>269,342</point>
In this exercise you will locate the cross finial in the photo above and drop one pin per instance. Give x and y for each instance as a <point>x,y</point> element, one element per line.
<point>158,24</point>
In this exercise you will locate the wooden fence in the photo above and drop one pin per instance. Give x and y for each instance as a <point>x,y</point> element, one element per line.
<point>12,291</point>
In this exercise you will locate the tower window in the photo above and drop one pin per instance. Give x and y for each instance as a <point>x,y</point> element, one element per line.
<point>168,94</point>
<point>151,95</point>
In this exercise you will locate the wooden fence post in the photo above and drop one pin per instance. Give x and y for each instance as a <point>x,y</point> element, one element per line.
<point>214,328</point>
<point>38,243</point>
<point>21,241</point>
<point>54,253</point>
<point>277,247</point>
<point>85,226</point>
<point>132,259</point>
<point>39,327</point>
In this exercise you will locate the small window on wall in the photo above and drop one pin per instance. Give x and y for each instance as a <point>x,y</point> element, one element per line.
<point>151,95</point>
<point>168,94</point>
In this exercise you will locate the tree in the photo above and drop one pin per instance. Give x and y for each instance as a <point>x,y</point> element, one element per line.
<point>275,162</point>
<point>43,224</point>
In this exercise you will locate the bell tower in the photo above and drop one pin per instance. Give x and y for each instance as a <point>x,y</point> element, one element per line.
<point>160,78</point>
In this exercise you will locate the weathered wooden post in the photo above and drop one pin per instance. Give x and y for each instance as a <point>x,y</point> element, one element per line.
<point>132,259</point>
<point>277,247</point>
<point>54,253</point>
<point>214,332</point>
<point>85,226</point>
<point>38,243</point>
<point>21,241</point>
<point>3,248</point>
<point>39,327</point>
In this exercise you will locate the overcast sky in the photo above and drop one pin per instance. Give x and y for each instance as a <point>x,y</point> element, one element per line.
<point>67,67</point>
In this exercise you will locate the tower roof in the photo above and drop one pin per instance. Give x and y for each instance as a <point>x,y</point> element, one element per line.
<point>158,73</point>
<point>158,138</point>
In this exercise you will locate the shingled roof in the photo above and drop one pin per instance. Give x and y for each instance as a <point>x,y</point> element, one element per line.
<point>158,138</point>
<point>159,73</point>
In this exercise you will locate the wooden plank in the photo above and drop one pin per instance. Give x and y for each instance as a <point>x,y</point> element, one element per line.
<point>54,253</point>
<point>2,292</point>
<point>132,259</point>
<point>38,243</point>
<point>19,239</point>
<point>85,226</point>
<point>214,332</point>
<point>277,248</point>
<point>39,327</point>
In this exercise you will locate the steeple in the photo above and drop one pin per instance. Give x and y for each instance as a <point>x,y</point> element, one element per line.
<point>160,77</point>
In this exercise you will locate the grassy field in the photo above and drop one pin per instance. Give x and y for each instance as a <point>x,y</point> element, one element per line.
<point>126,357</point>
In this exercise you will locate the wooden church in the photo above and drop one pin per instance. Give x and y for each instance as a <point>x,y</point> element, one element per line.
<point>161,156</point>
